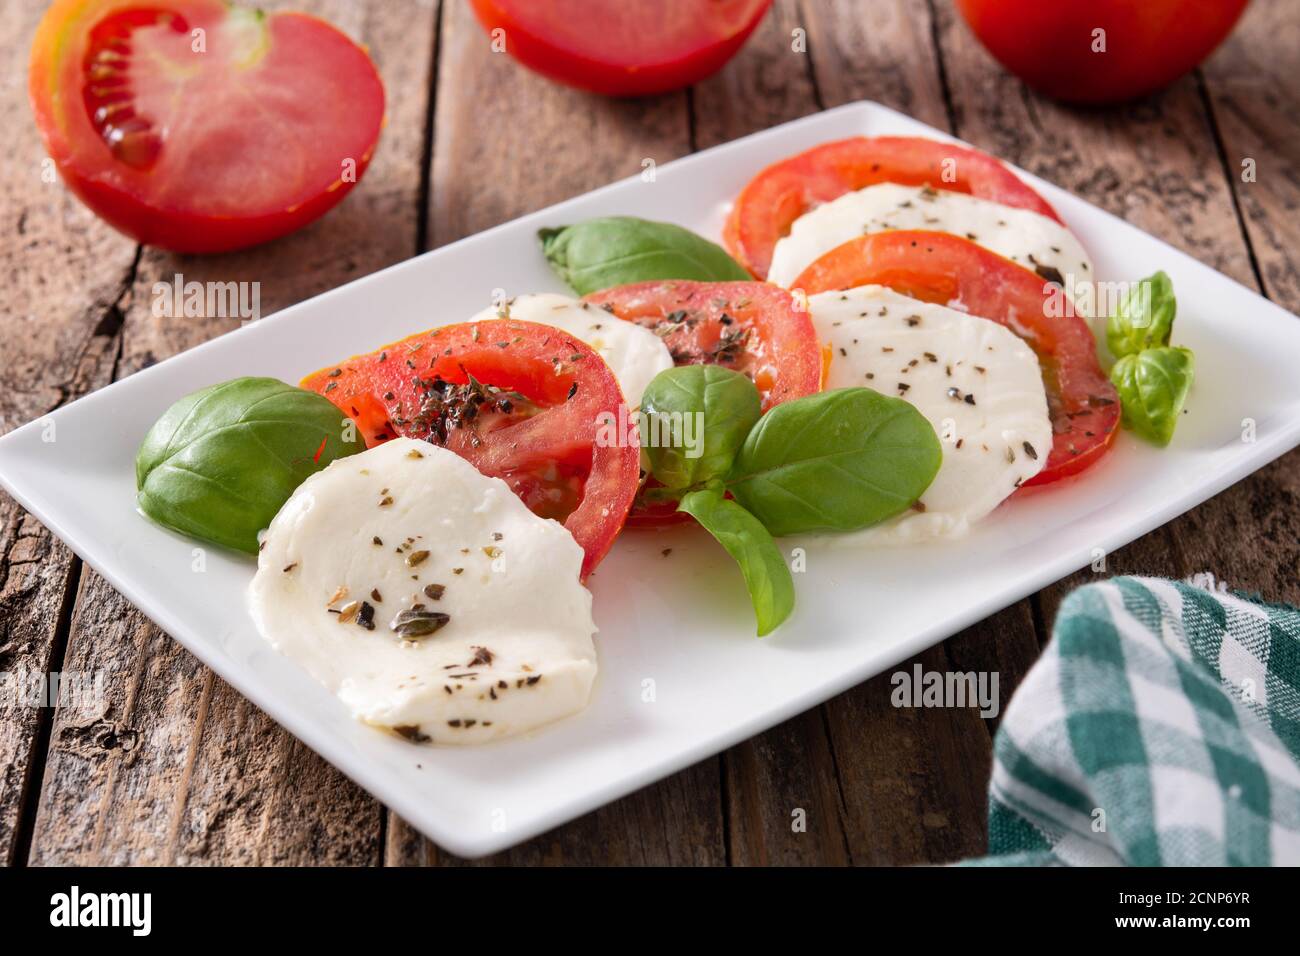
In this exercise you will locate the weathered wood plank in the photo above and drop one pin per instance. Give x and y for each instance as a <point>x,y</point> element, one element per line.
<point>176,767</point>
<point>890,57</point>
<point>783,804</point>
<point>887,55</point>
<point>803,57</point>
<point>675,822</point>
<point>1157,164</point>
<point>63,273</point>
<point>1255,102</point>
<point>507,142</point>
<point>768,83</point>
<point>914,778</point>
<point>1256,105</point>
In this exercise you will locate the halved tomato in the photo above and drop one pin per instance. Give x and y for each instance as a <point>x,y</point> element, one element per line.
<point>198,126</point>
<point>522,402</point>
<point>621,48</point>
<point>949,270</point>
<point>751,327</point>
<point>780,194</point>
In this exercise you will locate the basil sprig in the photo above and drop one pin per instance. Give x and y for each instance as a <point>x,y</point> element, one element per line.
<point>1152,377</point>
<point>838,461</point>
<point>619,250</point>
<point>222,461</point>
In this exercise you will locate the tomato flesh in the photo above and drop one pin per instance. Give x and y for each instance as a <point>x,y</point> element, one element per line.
<point>768,206</point>
<point>201,127</point>
<point>520,401</point>
<point>948,270</point>
<point>622,48</point>
<point>751,327</point>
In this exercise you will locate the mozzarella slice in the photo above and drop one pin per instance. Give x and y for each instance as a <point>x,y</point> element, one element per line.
<point>1026,237</point>
<point>975,381</point>
<point>634,354</point>
<point>380,527</point>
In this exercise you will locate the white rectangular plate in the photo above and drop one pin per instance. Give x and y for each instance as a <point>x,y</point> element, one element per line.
<point>681,621</point>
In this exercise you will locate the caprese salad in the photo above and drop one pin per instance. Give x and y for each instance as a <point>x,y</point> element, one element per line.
<point>883,354</point>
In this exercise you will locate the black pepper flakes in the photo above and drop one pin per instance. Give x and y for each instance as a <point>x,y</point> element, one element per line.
<point>366,616</point>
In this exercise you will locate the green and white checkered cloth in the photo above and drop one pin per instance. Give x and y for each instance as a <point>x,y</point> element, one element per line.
<point>1161,727</point>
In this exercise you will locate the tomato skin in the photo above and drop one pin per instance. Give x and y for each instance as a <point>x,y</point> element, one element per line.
<point>177,204</point>
<point>570,384</point>
<point>1150,44</point>
<point>784,191</point>
<point>599,45</point>
<point>781,352</point>
<point>942,268</point>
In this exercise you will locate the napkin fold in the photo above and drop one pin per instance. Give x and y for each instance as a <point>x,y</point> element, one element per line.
<point>1160,727</point>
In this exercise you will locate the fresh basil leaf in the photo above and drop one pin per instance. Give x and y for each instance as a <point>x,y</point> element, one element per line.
<point>1144,318</point>
<point>835,461</point>
<point>222,461</point>
<point>619,250</point>
<point>696,419</point>
<point>771,587</point>
<point>1153,386</point>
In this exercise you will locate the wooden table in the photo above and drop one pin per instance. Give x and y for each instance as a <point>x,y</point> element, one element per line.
<point>180,769</point>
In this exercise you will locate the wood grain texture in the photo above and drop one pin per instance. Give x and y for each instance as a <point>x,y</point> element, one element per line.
<point>1255,103</point>
<point>886,55</point>
<point>889,57</point>
<point>507,142</point>
<point>914,778</point>
<point>175,767</point>
<point>64,273</point>
<point>1156,163</point>
<point>825,764</point>
<point>790,769</point>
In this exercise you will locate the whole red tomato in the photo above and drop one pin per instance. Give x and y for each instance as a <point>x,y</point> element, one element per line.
<point>621,47</point>
<point>1100,51</point>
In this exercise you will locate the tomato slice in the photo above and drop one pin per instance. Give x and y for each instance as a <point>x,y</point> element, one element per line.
<point>771,202</point>
<point>620,48</point>
<point>949,270</point>
<point>752,327</point>
<point>198,126</point>
<point>521,401</point>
